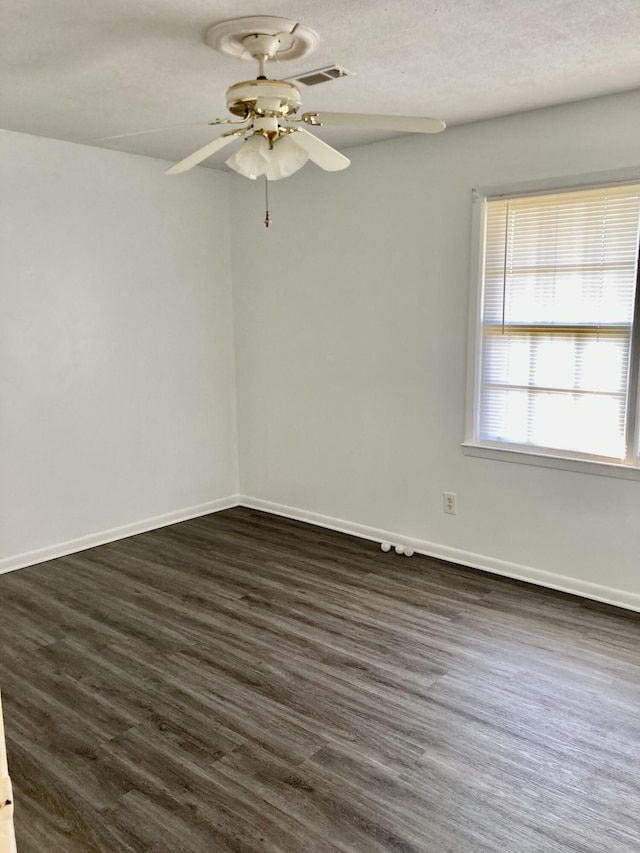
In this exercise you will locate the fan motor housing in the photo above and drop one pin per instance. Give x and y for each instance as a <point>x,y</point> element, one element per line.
<point>273,97</point>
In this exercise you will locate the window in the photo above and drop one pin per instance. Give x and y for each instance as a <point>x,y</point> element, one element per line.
<point>558,353</point>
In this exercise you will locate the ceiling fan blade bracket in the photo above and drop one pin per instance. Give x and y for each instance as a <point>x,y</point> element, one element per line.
<point>238,131</point>
<point>311,118</point>
<point>228,121</point>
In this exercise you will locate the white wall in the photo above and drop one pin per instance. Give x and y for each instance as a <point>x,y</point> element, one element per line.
<point>117,397</point>
<point>351,317</point>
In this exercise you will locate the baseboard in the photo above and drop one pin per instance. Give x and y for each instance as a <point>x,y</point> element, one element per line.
<point>563,583</point>
<point>62,549</point>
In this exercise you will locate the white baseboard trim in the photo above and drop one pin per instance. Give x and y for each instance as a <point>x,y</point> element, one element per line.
<point>62,549</point>
<point>563,583</point>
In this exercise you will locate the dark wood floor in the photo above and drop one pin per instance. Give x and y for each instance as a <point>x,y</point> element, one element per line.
<point>247,683</point>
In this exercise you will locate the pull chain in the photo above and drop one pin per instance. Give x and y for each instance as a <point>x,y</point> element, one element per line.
<point>267,221</point>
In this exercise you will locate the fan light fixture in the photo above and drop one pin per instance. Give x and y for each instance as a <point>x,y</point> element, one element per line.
<point>277,159</point>
<point>265,110</point>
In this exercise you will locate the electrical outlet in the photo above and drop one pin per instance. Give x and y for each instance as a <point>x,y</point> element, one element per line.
<point>450,505</point>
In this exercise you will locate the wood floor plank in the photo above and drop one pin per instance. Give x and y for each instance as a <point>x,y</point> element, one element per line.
<point>245,683</point>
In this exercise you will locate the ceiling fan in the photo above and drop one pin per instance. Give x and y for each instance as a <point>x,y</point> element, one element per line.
<point>266,110</point>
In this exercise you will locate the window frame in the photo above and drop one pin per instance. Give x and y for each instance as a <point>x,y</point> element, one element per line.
<point>539,456</point>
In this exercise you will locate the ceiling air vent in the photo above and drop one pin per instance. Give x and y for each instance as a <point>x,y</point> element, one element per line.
<point>322,75</point>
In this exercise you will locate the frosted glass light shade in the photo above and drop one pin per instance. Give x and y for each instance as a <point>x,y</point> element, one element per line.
<point>285,158</point>
<point>252,158</point>
<point>255,157</point>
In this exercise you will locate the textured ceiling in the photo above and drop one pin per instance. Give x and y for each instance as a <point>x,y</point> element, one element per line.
<point>83,71</point>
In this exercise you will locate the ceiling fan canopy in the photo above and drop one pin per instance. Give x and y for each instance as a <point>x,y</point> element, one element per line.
<point>266,110</point>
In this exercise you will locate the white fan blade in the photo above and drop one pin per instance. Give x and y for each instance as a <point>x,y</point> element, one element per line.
<point>144,132</point>
<point>204,152</point>
<point>319,152</point>
<point>401,124</point>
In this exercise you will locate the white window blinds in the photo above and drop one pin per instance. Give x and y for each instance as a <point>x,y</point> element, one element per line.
<point>560,273</point>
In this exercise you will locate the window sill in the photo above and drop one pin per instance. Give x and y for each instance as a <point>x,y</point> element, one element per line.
<point>545,460</point>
